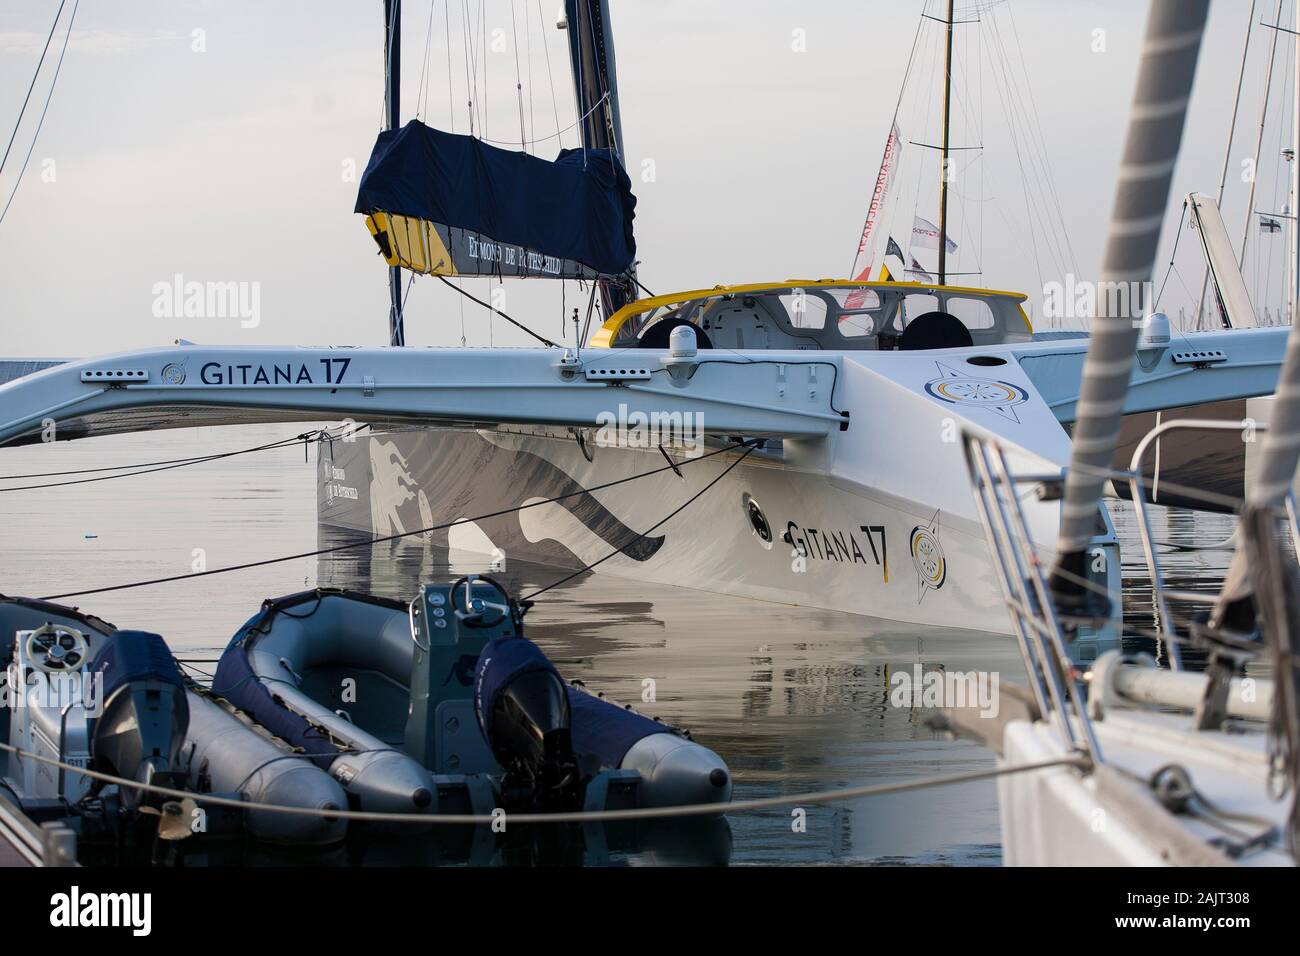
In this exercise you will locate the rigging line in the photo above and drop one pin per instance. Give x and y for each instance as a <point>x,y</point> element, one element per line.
<point>591,304</point>
<point>519,84</point>
<point>1008,112</point>
<point>1259,139</point>
<point>461,300</point>
<point>916,199</point>
<point>467,57</point>
<point>528,59</point>
<point>542,139</point>
<point>469,295</point>
<point>451,105</point>
<point>550,73</point>
<point>1232,129</point>
<point>1042,140</point>
<point>1037,211</point>
<point>41,122</point>
<point>35,76</point>
<point>1035,192</point>
<point>148,469</point>
<point>483,59</point>
<point>1178,235</point>
<point>422,97</point>
<point>367,542</point>
<point>644,534</point>
<point>902,90</point>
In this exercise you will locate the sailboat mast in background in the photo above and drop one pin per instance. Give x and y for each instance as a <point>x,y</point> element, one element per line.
<point>943,162</point>
<point>1294,280</point>
<point>392,120</point>
<point>595,82</point>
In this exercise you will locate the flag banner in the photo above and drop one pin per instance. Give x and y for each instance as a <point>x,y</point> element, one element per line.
<point>892,249</point>
<point>884,179</point>
<point>926,235</point>
<point>917,272</point>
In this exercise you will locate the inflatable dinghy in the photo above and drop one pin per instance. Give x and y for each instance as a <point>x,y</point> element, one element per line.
<point>115,701</point>
<point>443,706</point>
<point>324,701</point>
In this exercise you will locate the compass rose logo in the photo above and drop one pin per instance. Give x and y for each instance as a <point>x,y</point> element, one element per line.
<point>958,388</point>
<point>928,556</point>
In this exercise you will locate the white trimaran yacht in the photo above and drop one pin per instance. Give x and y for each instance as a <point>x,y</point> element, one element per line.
<point>851,396</point>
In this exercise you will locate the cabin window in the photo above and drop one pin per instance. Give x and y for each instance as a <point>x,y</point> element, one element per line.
<point>857,324</point>
<point>914,306</point>
<point>806,309</point>
<point>975,314</point>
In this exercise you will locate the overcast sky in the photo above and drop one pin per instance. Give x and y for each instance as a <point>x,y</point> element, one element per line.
<point>214,140</point>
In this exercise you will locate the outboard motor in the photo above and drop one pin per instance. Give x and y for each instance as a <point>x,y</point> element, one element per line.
<point>145,714</point>
<point>523,708</point>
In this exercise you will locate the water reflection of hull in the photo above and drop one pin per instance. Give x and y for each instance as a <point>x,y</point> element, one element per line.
<point>1212,461</point>
<point>816,545</point>
<point>798,698</point>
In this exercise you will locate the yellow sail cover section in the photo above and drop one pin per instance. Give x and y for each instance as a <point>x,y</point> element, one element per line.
<point>410,243</point>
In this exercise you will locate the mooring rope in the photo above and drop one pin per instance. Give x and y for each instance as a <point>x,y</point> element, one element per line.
<point>583,816</point>
<point>367,542</point>
<point>672,514</point>
<point>146,468</point>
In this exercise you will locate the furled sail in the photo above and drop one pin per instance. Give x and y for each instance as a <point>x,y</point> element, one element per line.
<point>443,204</point>
<point>1235,309</point>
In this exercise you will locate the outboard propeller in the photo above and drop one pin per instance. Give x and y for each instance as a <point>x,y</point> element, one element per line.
<point>145,714</point>
<point>523,708</point>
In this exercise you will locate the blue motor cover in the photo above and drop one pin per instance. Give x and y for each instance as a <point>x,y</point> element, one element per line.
<point>135,655</point>
<point>145,713</point>
<point>601,732</point>
<point>501,662</point>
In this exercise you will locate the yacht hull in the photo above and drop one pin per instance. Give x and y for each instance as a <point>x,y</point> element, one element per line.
<point>827,546</point>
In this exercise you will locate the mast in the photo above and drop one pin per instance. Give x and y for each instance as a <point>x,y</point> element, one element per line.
<point>591,60</point>
<point>943,162</point>
<point>1227,153</point>
<point>392,120</point>
<point>1295,170</point>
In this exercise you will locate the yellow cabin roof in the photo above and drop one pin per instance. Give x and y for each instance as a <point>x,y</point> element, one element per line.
<point>604,336</point>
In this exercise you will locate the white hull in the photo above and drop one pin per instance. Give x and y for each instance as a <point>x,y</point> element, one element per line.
<point>861,551</point>
<point>1058,817</point>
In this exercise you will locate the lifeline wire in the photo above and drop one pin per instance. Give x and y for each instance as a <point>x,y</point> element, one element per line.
<point>403,534</point>
<point>495,311</point>
<point>586,816</point>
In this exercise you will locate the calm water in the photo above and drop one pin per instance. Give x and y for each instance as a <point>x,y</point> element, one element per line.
<point>794,699</point>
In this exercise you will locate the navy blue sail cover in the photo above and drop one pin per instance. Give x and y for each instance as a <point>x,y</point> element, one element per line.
<point>599,729</point>
<point>497,212</point>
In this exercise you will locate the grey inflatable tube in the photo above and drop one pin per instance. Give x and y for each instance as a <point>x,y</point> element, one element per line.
<point>236,758</point>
